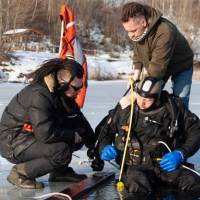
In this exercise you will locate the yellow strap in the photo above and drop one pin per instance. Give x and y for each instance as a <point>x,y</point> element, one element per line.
<point>129,129</point>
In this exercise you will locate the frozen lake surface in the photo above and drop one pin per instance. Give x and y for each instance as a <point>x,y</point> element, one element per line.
<point>101,97</point>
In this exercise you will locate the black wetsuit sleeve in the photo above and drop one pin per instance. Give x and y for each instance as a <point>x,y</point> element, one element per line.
<point>108,127</point>
<point>191,127</point>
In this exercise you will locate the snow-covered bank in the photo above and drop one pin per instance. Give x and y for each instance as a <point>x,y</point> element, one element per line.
<point>98,65</point>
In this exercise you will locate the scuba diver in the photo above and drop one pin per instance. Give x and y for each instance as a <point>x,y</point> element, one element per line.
<point>42,126</point>
<point>163,135</point>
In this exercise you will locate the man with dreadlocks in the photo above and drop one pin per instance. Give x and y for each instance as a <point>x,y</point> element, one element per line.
<point>163,135</point>
<point>42,126</point>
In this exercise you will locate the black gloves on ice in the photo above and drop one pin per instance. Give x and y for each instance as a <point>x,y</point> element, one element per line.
<point>97,164</point>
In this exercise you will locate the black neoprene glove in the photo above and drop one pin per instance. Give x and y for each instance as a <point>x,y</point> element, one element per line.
<point>92,153</point>
<point>97,164</point>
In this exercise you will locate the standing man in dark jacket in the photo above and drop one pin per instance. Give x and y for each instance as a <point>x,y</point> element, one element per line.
<point>160,50</point>
<point>163,135</point>
<point>42,125</point>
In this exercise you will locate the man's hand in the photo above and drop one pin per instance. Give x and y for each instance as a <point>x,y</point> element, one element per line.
<point>97,164</point>
<point>109,153</point>
<point>125,102</point>
<point>136,74</point>
<point>92,153</point>
<point>171,161</point>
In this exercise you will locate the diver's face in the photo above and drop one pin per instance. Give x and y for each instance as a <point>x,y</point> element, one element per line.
<point>74,87</point>
<point>135,27</point>
<point>144,103</point>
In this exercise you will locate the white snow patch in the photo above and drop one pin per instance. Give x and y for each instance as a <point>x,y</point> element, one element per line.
<point>14,31</point>
<point>28,61</point>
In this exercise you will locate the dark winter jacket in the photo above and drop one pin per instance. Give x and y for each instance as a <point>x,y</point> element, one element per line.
<point>39,106</point>
<point>163,51</point>
<point>149,127</point>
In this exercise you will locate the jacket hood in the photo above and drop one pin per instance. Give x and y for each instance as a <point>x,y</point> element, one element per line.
<point>155,16</point>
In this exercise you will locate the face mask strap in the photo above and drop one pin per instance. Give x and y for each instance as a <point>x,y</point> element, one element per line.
<point>65,86</point>
<point>147,94</point>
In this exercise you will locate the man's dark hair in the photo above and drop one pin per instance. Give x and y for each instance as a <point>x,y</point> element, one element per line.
<point>53,66</point>
<point>134,9</point>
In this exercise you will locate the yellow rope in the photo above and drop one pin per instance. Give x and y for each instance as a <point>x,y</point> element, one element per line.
<point>129,131</point>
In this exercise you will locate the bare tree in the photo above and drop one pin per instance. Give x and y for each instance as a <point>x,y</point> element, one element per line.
<point>34,10</point>
<point>16,14</point>
<point>1,20</point>
<point>43,15</point>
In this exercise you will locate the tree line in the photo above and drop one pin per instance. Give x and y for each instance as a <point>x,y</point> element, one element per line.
<point>100,15</point>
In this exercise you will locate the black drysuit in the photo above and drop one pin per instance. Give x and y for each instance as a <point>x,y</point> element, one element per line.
<point>142,172</point>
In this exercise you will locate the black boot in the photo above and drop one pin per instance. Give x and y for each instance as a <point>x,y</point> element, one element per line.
<point>66,175</point>
<point>21,180</point>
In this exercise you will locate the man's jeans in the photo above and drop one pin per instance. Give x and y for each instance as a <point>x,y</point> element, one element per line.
<point>181,85</point>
